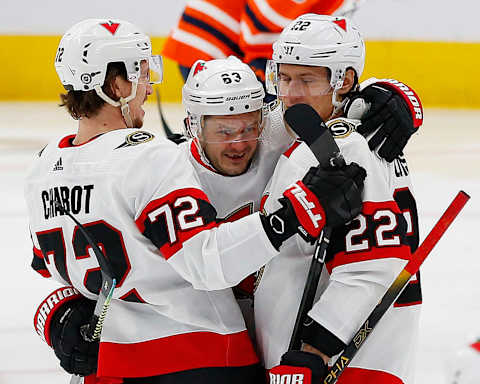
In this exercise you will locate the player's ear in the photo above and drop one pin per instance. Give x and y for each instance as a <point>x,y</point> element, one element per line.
<point>119,87</point>
<point>348,82</point>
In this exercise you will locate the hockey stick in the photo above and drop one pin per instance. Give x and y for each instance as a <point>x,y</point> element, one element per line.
<point>396,287</point>
<point>165,126</point>
<point>92,330</point>
<point>308,125</point>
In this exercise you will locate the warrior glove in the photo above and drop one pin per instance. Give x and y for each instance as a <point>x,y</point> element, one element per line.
<point>395,114</point>
<point>325,196</point>
<point>298,367</point>
<point>58,321</point>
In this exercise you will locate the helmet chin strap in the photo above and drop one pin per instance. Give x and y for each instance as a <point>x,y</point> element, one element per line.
<point>337,105</point>
<point>122,102</point>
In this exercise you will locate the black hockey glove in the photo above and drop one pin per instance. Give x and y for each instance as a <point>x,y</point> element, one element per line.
<point>177,138</point>
<point>76,355</point>
<point>299,367</point>
<point>325,196</point>
<point>389,118</point>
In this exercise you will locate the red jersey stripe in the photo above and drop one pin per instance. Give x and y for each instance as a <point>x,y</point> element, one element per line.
<point>175,353</point>
<point>385,252</point>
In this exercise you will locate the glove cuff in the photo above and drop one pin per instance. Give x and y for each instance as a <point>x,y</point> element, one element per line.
<point>321,338</point>
<point>49,307</point>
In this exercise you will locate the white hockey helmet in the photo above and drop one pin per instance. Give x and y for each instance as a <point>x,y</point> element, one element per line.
<point>87,48</point>
<point>220,87</point>
<point>464,367</point>
<point>318,40</point>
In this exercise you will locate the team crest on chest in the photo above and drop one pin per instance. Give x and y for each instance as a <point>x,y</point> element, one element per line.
<point>340,128</point>
<point>135,138</point>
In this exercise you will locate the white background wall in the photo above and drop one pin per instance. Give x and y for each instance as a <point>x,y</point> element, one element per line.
<point>438,20</point>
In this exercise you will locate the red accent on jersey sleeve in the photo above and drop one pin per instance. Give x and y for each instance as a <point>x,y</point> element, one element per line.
<point>165,229</point>
<point>361,375</point>
<point>292,148</point>
<point>377,233</point>
<point>175,353</point>
<point>370,208</point>
<point>343,258</point>
<point>38,263</point>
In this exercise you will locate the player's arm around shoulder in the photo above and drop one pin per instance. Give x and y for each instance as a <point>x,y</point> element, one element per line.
<point>174,213</point>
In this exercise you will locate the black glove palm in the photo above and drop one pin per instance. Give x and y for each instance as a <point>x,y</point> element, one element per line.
<point>76,355</point>
<point>390,117</point>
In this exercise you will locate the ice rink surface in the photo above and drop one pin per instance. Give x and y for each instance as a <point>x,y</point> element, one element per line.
<point>444,157</point>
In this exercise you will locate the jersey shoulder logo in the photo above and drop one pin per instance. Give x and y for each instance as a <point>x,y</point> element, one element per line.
<point>340,128</point>
<point>272,105</point>
<point>136,138</point>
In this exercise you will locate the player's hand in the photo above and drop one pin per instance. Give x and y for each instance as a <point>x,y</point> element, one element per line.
<point>392,118</point>
<point>325,196</point>
<point>298,367</point>
<point>76,355</point>
<point>339,191</point>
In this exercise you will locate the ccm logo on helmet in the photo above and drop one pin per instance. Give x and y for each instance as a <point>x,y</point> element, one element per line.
<point>287,378</point>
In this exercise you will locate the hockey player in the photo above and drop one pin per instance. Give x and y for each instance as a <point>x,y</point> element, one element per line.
<point>318,60</point>
<point>233,168</point>
<point>171,318</point>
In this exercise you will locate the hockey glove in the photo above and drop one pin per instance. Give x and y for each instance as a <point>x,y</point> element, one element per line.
<point>300,368</point>
<point>395,114</point>
<point>325,196</point>
<point>58,320</point>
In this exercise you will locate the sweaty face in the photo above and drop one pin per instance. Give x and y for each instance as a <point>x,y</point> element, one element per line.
<point>308,85</point>
<point>230,142</point>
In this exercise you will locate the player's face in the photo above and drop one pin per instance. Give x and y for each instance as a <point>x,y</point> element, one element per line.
<point>230,141</point>
<point>144,89</point>
<point>308,85</point>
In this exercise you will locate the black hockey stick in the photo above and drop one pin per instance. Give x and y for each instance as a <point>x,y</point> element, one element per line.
<point>92,330</point>
<point>396,287</point>
<point>310,128</point>
<point>166,128</point>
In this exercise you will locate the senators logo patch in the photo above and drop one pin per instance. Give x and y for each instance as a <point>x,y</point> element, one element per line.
<point>135,138</point>
<point>340,128</point>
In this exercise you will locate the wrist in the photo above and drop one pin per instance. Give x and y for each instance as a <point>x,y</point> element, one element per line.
<point>278,226</point>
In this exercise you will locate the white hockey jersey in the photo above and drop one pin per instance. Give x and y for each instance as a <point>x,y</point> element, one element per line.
<point>363,259</point>
<point>140,198</point>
